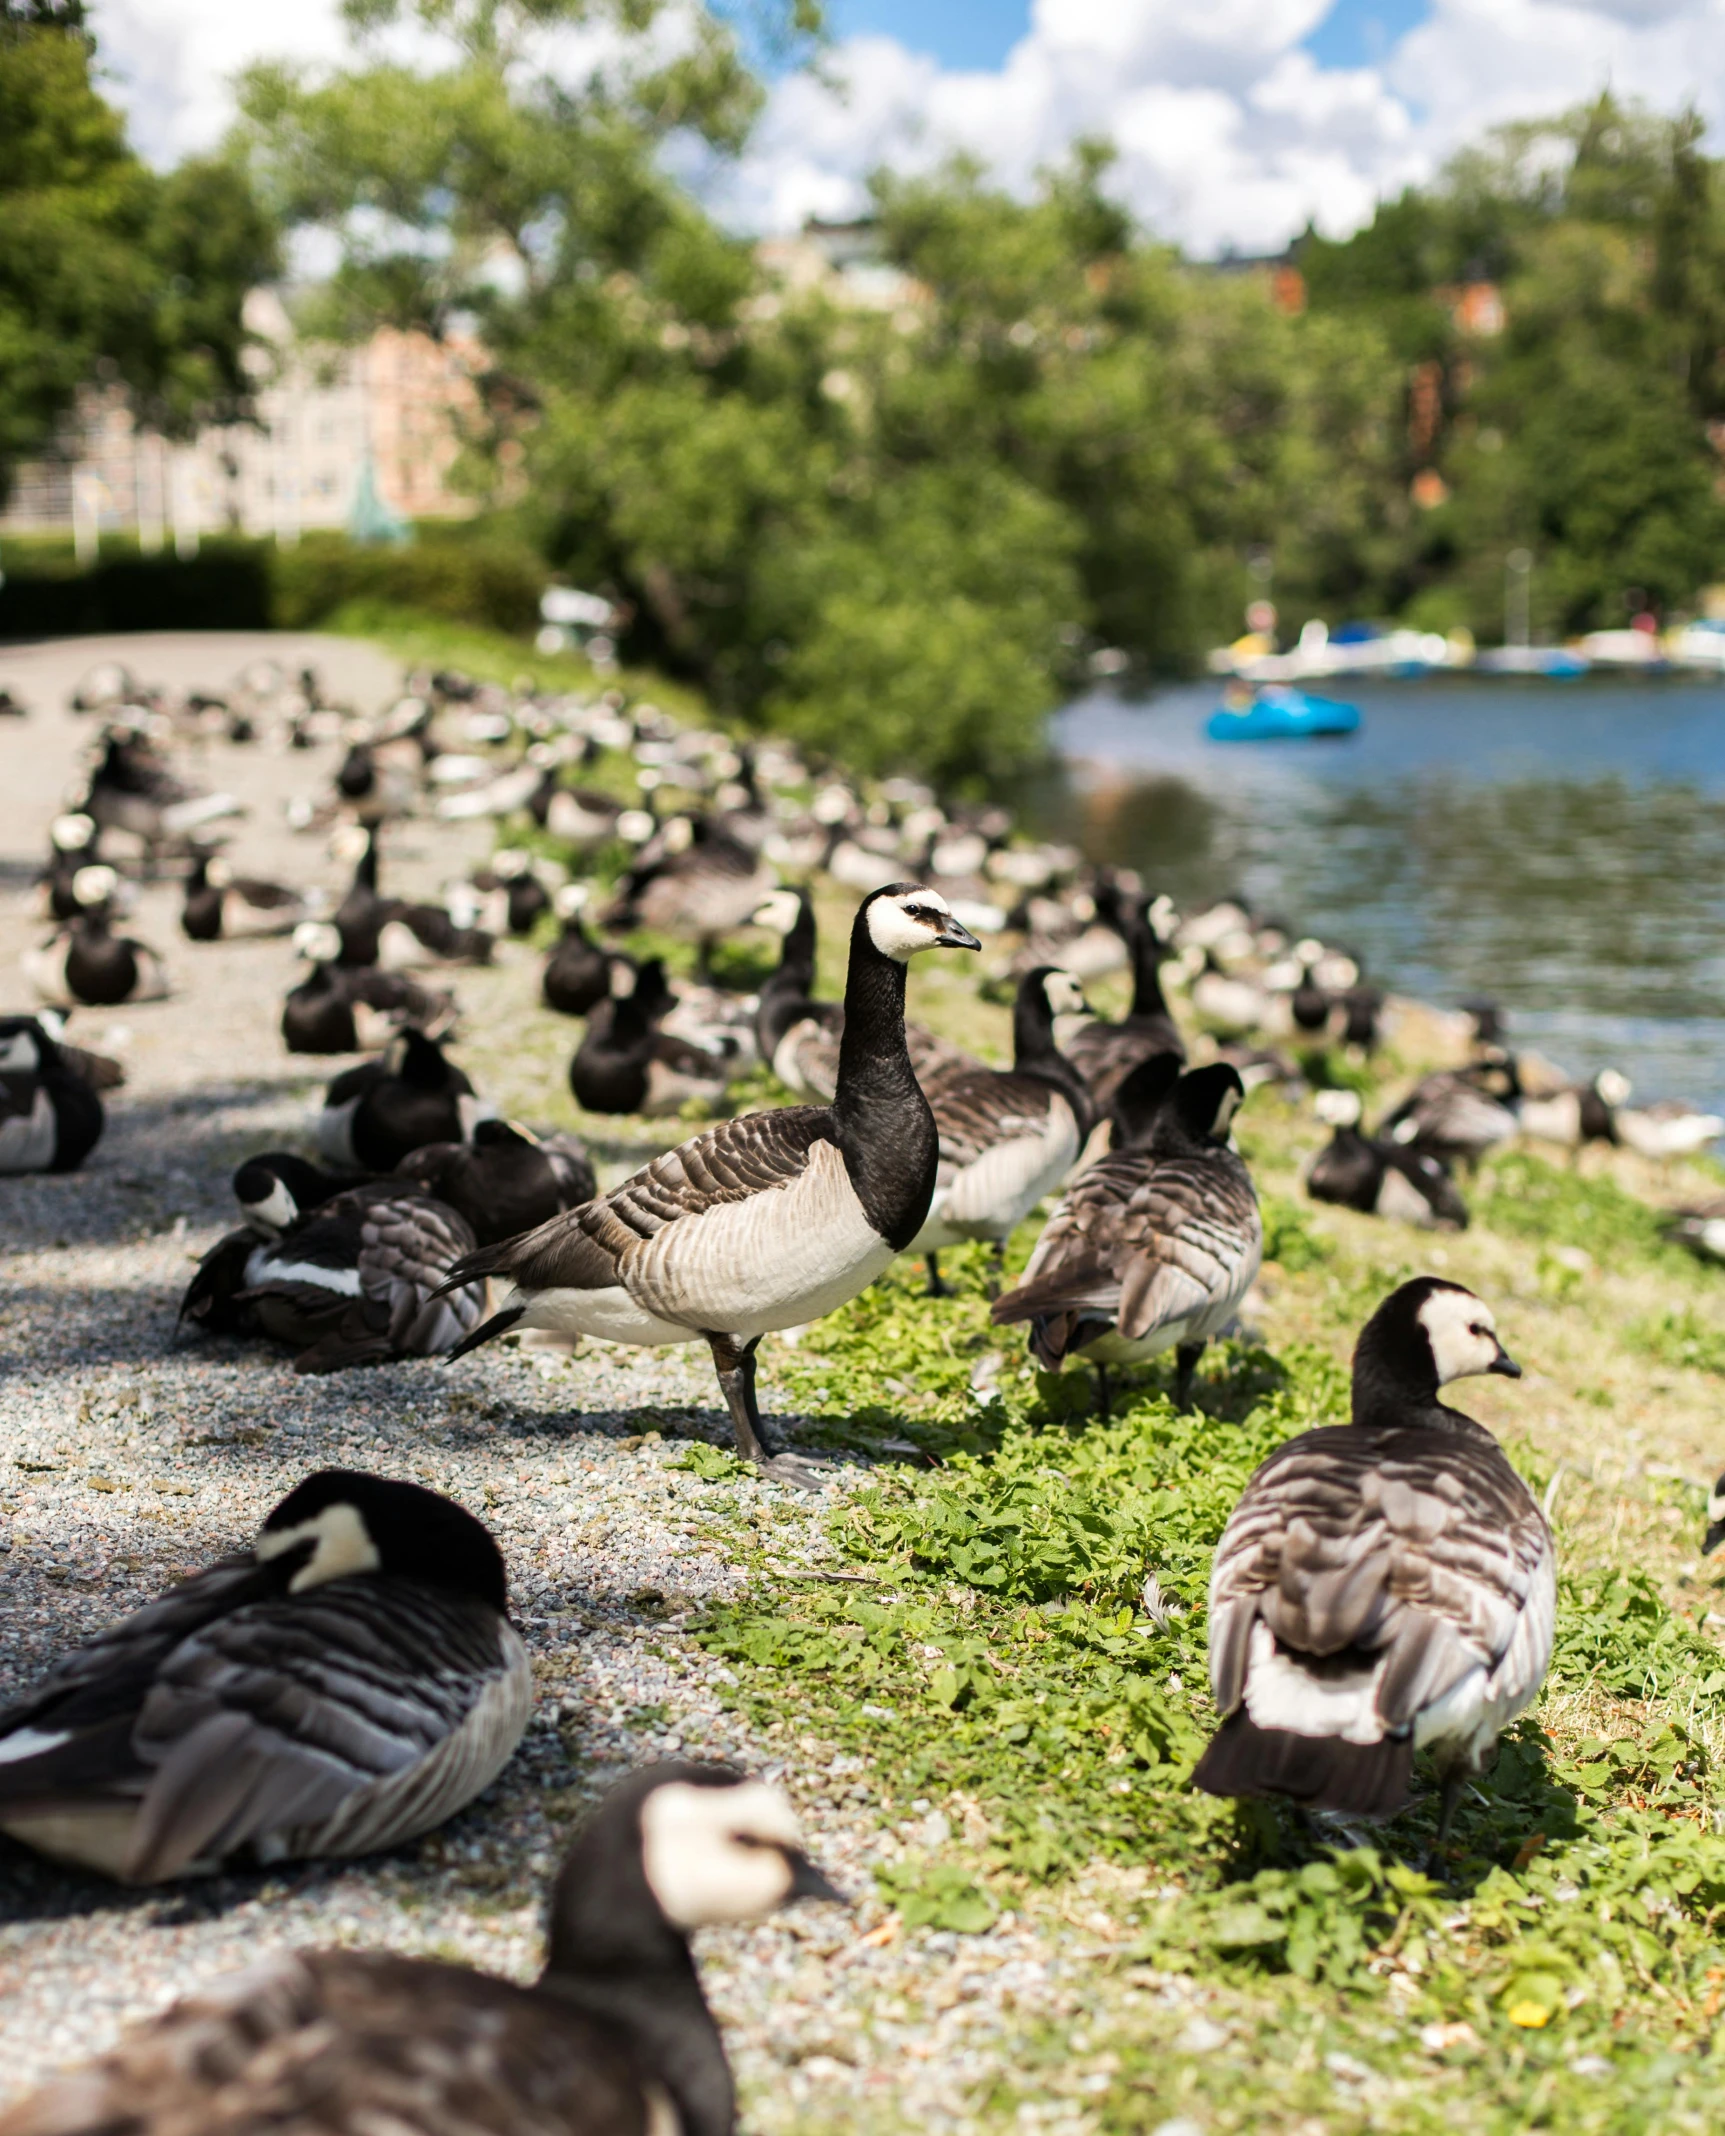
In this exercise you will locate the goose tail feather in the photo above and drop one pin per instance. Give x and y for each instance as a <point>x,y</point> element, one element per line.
<point>1322,1772</point>
<point>498,1324</point>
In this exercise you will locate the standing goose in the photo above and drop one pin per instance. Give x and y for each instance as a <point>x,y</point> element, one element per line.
<point>358,1280</point>
<point>1106,1053</point>
<point>505,1181</point>
<point>1154,1246</point>
<point>614,2039</point>
<point>348,1682</point>
<point>577,974</point>
<point>761,1222</point>
<point>626,1064</point>
<point>410,1095</point>
<point>87,962</point>
<point>50,1117</point>
<point>1378,1177</point>
<point>1383,1586</point>
<point>1457,1114</point>
<point>1007,1140</point>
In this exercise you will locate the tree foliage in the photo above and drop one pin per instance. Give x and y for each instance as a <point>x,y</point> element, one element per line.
<point>107,270</point>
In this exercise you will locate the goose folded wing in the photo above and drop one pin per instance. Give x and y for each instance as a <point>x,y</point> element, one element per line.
<point>1434,1562</point>
<point>274,1717</point>
<point>1193,1237</point>
<point>729,1162</point>
<point>74,1729</point>
<point>975,1113</point>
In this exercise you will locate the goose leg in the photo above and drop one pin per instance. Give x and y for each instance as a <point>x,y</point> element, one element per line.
<point>734,1362</point>
<point>1101,1372</point>
<point>936,1287</point>
<point>1186,1358</point>
<point>1453,1783</point>
<point>996,1270</point>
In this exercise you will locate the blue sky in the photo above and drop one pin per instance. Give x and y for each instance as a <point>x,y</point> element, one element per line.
<point>980,33</point>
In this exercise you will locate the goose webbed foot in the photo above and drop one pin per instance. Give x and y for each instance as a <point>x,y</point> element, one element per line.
<point>1186,1358</point>
<point>798,1471</point>
<point>937,1286</point>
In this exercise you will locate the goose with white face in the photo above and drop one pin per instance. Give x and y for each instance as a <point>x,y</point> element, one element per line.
<point>778,912</point>
<point>1463,1337</point>
<point>724,1854</point>
<point>903,921</point>
<point>1064,995</point>
<point>344,1546</point>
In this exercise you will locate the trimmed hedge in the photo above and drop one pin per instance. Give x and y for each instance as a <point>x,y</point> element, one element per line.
<point>486,579</point>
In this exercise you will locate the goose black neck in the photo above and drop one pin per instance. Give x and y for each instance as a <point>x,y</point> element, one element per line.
<point>1147,995</point>
<point>887,1133</point>
<point>1034,1051</point>
<point>1391,1392</point>
<point>365,875</point>
<point>797,957</point>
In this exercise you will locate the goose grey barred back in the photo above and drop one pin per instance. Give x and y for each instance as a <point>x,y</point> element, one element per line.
<point>1379,1177</point>
<point>1156,1244</point>
<point>1106,1053</point>
<point>1457,1114</point>
<point>348,1682</point>
<point>1383,1586</point>
<point>50,1116</point>
<point>1006,1140</point>
<point>761,1222</point>
<point>694,880</point>
<point>614,2039</point>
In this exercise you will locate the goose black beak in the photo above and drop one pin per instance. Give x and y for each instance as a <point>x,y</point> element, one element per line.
<point>1505,1364</point>
<point>808,1882</point>
<point>955,935</point>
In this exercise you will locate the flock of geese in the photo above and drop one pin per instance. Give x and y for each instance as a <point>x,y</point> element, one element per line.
<point>353,1678</point>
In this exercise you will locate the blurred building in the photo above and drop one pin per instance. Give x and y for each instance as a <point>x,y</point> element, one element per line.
<point>846,262</point>
<point>394,405</point>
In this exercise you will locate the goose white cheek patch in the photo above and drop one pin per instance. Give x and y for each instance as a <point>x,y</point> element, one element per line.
<point>344,1547</point>
<point>896,934</point>
<point>715,1854</point>
<point>1462,1335</point>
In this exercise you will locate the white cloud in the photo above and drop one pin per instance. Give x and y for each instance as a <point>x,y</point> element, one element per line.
<point>1229,133</point>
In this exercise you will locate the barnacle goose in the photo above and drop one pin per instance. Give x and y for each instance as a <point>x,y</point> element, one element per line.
<point>505,1181</point>
<point>1457,1114</point>
<point>1666,1128</point>
<point>1007,1140</point>
<point>694,879</point>
<point>355,1280</point>
<point>614,2039</point>
<point>410,1095</point>
<point>218,902</point>
<point>1154,1246</point>
<point>50,1117</point>
<point>85,961</point>
<point>1379,1177</point>
<point>1701,1228</point>
<point>626,1064</point>
<point>525,897</point>
<point>349,1681</point>
<point>340,1008</point>
<point>1383,1586</point>
<point>274,1189</point>
<point>1106,1053</point>
<point>761,1222</point>
<point>577,974</point>
<point>71,846</point>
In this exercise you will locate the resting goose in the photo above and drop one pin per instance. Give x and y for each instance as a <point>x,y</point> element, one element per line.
<point>1007,1140</point>
<point>1106,1053</point>
<point>614,2039</point>
<point>1701,1229</point>
<point>357,1281</point>
<point>50,1117</point>
<point>761,1222</point>
<point>345,1684</point>
<point>1154,1246</point>
<point>694,880</point>
<point>218,902</point>
<point>340,1008</point>
<point>273,1189</point>
<point>626,1064</point>
<point>1383,1586</point>
<point>1457,1114</point>
<point>505,1181</point>
<point>1667,1128</point>
<point>1378,1177</point>
<point>87,962</point>
<point>410,1095</point>
<point>1574,1113</point>
<point>577,974</point>
<point>71,846</point>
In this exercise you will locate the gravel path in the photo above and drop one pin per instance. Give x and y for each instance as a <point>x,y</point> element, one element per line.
<point>127,1460</point>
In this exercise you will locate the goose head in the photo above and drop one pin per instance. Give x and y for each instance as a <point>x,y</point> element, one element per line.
<point>349,1524</point>
<point>317,942</point>
<point>1205,1101</point>
<point>95,887</point>
<point>778,911</point>
<point>266,1200</point>
<point>1063,994</point>
<point>675,1848</point>
<point>571,900</point>
<point>1428,1333</point>
<point>903,918</point>
<point>73,832</point>
<point>1338,1108</point>
<point>20,1047</point>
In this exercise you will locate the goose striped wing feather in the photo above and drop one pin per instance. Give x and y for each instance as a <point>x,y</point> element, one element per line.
<point>1193,1238</point>
<point>729,1162</point>
<point>1422,1541</point>
<point>1075,1261</point>
<point>353,2043</point>
<point>974,1113</point>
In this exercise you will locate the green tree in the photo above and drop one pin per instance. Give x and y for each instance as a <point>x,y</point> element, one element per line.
<point>106,269</point>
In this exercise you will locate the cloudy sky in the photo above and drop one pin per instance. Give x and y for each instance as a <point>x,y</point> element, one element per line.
<point>1235,119</point>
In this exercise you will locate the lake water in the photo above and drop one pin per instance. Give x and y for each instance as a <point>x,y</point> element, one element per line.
<point>1558,847</point>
